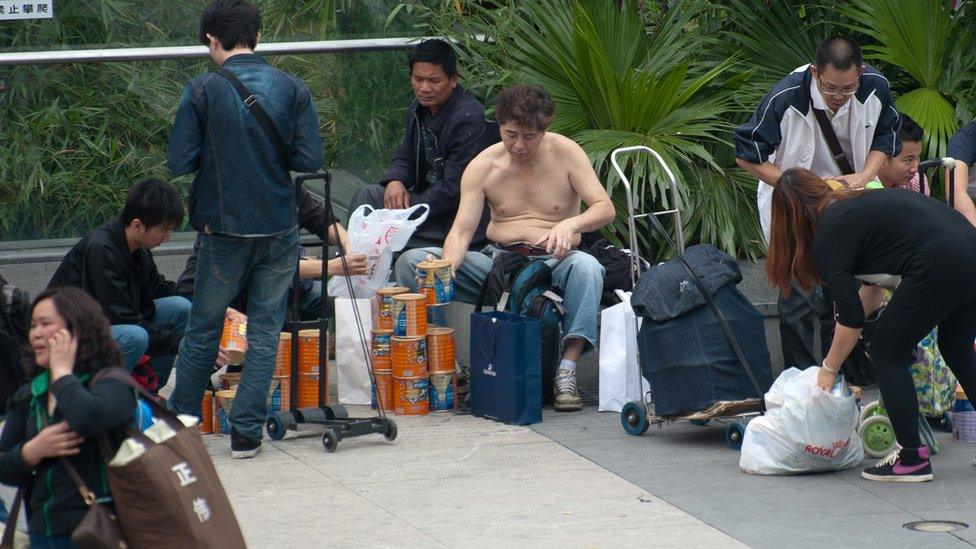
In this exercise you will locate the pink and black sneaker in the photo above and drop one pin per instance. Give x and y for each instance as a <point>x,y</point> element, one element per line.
<point>905,465</point>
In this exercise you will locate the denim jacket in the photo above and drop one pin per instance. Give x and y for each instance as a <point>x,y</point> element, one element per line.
<point>242,188</point>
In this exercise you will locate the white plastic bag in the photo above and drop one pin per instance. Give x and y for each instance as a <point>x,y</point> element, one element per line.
<point>376,234</point>
<point>805,429</point>
<point>352,376</point>
<point>620,379</point>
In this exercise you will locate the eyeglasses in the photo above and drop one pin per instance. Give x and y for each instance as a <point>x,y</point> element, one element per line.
<point>830,90</point>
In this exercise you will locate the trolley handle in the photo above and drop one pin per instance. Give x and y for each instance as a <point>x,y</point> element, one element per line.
<point>631,216</point>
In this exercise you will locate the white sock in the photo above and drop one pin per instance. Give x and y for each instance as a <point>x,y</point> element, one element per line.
<point>568,365</point>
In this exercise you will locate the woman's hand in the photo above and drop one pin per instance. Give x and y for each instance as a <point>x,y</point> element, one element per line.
<point>63,347</point>
<point>56,440</point>
<point>825,379</point>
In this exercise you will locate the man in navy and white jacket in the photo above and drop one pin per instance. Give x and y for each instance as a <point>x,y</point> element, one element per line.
<point>784,133</point>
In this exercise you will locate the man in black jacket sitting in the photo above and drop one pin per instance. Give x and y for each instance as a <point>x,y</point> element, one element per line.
<point>113,264</point>
<point>445,129</point>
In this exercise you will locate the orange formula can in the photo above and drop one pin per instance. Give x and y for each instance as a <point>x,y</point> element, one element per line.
<point>384,387</point>
<point>409,356</point>
<point>308,352</point>
<point>233,340</point>
<point>230,380</point>
<point>441,351</point>
<point>308,390</point>
<point>436,281</point>
<point>383,316</point>
<point>410,396</point>
<point>207,413</point>
<point>410,315</point>
<point>442,388</point>
<point>283,358</point>
<point>285,390</point>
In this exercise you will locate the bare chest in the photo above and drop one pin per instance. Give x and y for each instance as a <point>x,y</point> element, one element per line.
<point>545,192</point>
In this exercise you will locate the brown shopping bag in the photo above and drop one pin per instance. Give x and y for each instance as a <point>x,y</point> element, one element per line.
<point>170,495</point>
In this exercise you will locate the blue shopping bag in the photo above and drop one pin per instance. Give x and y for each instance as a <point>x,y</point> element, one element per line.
<point>506,367</point>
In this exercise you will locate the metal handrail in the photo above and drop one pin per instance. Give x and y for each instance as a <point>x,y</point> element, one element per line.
<point>51,57</point>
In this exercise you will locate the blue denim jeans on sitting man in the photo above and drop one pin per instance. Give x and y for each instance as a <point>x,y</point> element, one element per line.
<point>579,275</point>
<point>171,314</point>
<point>226,265</point>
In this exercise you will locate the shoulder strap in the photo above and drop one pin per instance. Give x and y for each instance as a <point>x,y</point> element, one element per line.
<point>86,493</point>
<point>835,149</point>
<point>7,542</point>
<point>259,114</point>
<point>159,411</point>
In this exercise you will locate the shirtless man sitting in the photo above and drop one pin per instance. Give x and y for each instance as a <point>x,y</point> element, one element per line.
<point>533,183</point>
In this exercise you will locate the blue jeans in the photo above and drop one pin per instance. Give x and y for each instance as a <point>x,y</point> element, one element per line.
<point>171,314</point>
<point>579,275</point>
<point>264,266</point>
<point>310,302</point>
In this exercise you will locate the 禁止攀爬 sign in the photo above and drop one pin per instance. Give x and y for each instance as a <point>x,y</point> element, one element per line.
<point>26,9</point>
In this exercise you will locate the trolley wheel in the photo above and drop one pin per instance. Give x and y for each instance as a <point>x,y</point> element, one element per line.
<point>877,436</point>
<point>275,426</point>
<point>330,439</point>
<point>389,429</point>
<point>734,434</point>
<point>872,409</point>
<point>633,419</point>
<point>698,422</point>
<point>946,422</point>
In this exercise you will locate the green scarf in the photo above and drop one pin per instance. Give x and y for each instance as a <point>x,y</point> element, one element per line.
<point>39,386</point>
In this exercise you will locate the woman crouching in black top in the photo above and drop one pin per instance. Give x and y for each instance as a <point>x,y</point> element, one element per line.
<point>921,249</point>
<point>59,415</point>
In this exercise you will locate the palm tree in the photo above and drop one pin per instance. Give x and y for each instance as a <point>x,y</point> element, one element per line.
<point>930,44</point>
<point>615,84</point>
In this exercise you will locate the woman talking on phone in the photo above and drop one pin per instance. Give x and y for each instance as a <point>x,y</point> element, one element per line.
<point>59,415</point>
<point>922,250</point>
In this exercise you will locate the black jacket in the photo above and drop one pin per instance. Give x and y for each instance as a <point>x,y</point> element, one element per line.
<point>124,284</point>
<point>311,217</point>
<point>54,506</point>
<point>462,132</point>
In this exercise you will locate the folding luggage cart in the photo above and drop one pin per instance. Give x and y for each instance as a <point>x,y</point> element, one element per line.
<point>636,417</point>
<point>334,417</point>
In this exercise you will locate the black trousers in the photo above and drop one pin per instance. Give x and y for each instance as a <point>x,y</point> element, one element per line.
<point>909,316</point>
<point>799,313</point>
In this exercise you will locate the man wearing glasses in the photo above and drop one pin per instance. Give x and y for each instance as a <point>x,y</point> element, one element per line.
<point>836,118</point>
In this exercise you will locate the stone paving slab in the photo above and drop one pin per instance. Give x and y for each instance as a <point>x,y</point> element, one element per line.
<point>692,468</point>
<point>447,481</point>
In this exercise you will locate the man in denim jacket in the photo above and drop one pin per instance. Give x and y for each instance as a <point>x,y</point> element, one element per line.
<point>244,204</point>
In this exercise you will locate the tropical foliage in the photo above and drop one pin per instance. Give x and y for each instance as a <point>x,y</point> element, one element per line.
<point>675,75</point>
<point>74,137</point>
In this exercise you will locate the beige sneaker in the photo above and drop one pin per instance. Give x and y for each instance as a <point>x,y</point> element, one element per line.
<point>567,396</point>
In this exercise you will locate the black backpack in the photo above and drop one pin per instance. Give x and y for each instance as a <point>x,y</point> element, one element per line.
<point>14,311</point>
<point>519,285</point>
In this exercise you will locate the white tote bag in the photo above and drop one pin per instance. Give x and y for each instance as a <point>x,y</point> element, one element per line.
<point>352,376</point>
<point>620,380</point>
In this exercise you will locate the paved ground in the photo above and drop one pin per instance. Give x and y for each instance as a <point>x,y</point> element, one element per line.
<point>447,481</point>
<point>691,468</point>
<point>575,480</point>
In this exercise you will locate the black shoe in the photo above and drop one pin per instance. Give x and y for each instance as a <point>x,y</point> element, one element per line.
<point>906,465</point>
<point>243,448</point>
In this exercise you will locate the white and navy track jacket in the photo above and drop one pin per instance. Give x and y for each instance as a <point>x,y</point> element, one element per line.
<point>783,129</point>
